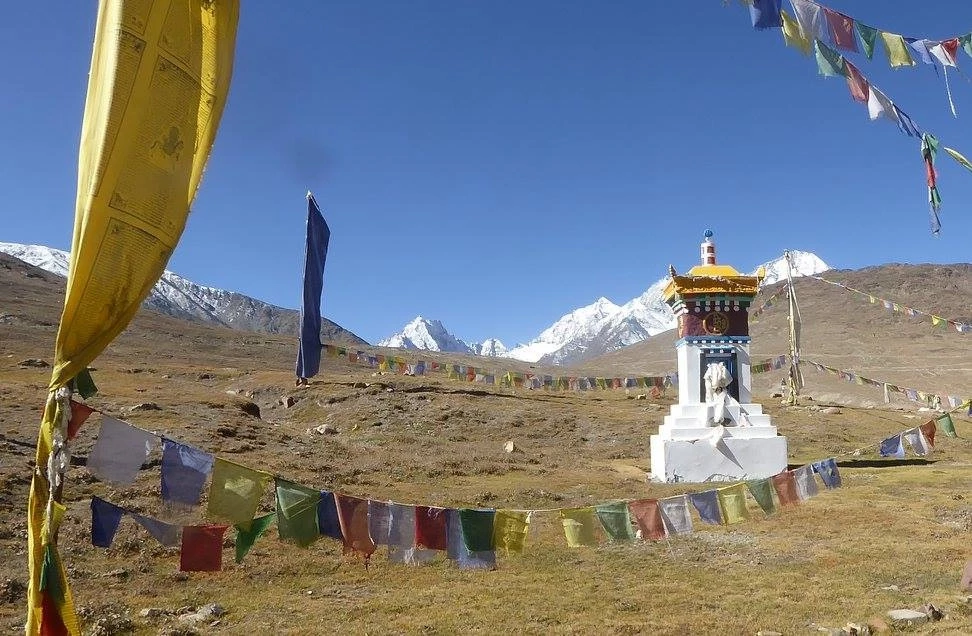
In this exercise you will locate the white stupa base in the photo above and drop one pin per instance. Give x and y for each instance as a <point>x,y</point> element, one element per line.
<point>730,459</point>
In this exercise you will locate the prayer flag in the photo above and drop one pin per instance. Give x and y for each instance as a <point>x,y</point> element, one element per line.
<point>897,50</point>
<point>765,13</point>
<point>235,492</point>
<point>580,526</point>
<point>457,550</point>
<point>510,529</point>
<point>616,521</point>
<point>401,537</point>
<point>353,515</point>
<point>830,63</point>
<point>858,86</point>
<point>477,528</point>
<point>707,505</point>
<point>806,485</point>
<point>965,41</point>
<point>83,384</point>
<point>430,528</point>
<point>928,429</point>
<point>905,124</point>
<point>920,47</point>
<point>827,469</point>
<point>184,472</point>
<point>328,521</point>
<point>762,491</point>
<point>948,426</point>
<point>297,512</point>
<point>105,518</point>
<point>732,503</point>
<point>917,441</point>
<point>202,548</point>
<point>245,538</point>
<point>675,514</point>
<point>647,514</point>
<point>167,534</point>
<point>785,486</point>
<point>892,447</point>
<point>120,451</point>
<point>79,414</point>
<point>379,521</point>
<point>810,16</point>
<point>868,38</point>
<point>945,51</point>
<point>315,255</point>
<point>842,30</point>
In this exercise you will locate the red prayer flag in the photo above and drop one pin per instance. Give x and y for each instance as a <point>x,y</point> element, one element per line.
<point>202,548</point>
<point>928,429</point>
<point>353,517</point>
<point>842,29</point>
<point>951,48</point>
<point>648,517</point>
<point>430,528</point>
<point>79,413</point>
<point>785,485</point>
<point>859,88</point>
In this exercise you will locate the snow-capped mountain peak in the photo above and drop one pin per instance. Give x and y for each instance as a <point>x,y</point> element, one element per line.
<point>427,334</point>
<point>579,324</point>
<point>801,264</point>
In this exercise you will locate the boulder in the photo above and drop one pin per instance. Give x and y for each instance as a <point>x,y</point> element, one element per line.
<point>902,617</point>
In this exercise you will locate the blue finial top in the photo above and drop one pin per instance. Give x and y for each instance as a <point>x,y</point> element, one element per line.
<point>707,234</point>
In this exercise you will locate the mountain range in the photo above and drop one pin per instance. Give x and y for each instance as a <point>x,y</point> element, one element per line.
<point>586,332</point>
<point>176,296</point>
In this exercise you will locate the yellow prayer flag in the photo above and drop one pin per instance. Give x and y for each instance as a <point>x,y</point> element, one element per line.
<point>160,73</point>
<point>938,321</point>
<point>580,526</point>
<point>732,501</point>
<point>236,491</point>
<point>793,35</point>
<point>510,530</point>
<point>897,50</point>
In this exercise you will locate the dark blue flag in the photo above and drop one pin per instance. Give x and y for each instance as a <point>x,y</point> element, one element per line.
<point>105,518</point>
<point>766,14</point>
<point>315,253</point>
<point>327,516</point>
<point>184,472</point>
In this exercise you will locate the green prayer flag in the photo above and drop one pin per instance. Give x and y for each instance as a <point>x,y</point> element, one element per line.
<point>868,37</point>
<point>50,577</point>
<point>958,157</point>
<point>615,518</point>
<point>84,384</point>
<point>897,50</point>
<point>297,512</point>
<point>947,425</point>
<point>580,526</point>
<point>732,501</point>
<point>762,491</point>
<point>830,63</point>
<point>477,529</point>
<point>965,42</point>
<point>246,538</point>
<point>235,492</point>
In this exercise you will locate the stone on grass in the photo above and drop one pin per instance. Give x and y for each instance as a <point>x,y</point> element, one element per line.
<point>511,447</point>
<point>966,582</point>
<point>830,410</point>
<point>287,401</point>
<point>932,612</point>
<point>326,429</point>
<point>146,406</point>
<point>250,409</point>
<point>907,617</point>
<point>33,362</point>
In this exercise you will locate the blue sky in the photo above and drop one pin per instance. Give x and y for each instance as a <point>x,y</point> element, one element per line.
<point>497,164</point>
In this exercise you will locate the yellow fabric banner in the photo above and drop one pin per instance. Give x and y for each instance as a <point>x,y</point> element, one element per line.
<point>160,74</point>
<point>897,50</point>
<point>580,526</point>
<point>235,492</point>
<point>732,501</point>
<point>959,157</point>
<point>510,530</point>
<point>793,35</point>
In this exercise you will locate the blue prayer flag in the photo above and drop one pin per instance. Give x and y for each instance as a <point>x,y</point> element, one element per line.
<point>707,503</point>
<point>315,254</point>
<point>105,518</point>
<point>827,469</point>
<point>766,14</point>
<point>892,447</point>
<point>327,516</point>
<point>184,472</point>
<point>165,533</point>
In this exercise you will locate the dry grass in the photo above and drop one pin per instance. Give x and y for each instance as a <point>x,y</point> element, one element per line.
<point>435,441</point>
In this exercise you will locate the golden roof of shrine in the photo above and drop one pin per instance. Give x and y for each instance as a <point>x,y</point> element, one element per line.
<point>713,279</point>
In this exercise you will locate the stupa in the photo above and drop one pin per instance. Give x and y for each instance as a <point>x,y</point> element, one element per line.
<point>715,432</point>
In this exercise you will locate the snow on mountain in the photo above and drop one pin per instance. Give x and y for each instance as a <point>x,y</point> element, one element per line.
<point>176,296</point>
<point>490,347</point>
<point>426,334</point>
<point>801,263</point>
<point>579,325</point>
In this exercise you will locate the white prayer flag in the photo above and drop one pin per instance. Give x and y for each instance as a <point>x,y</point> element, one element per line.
<point>120,451</point>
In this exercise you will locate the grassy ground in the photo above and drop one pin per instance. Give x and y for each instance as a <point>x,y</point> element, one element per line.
<point>434,441</point>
